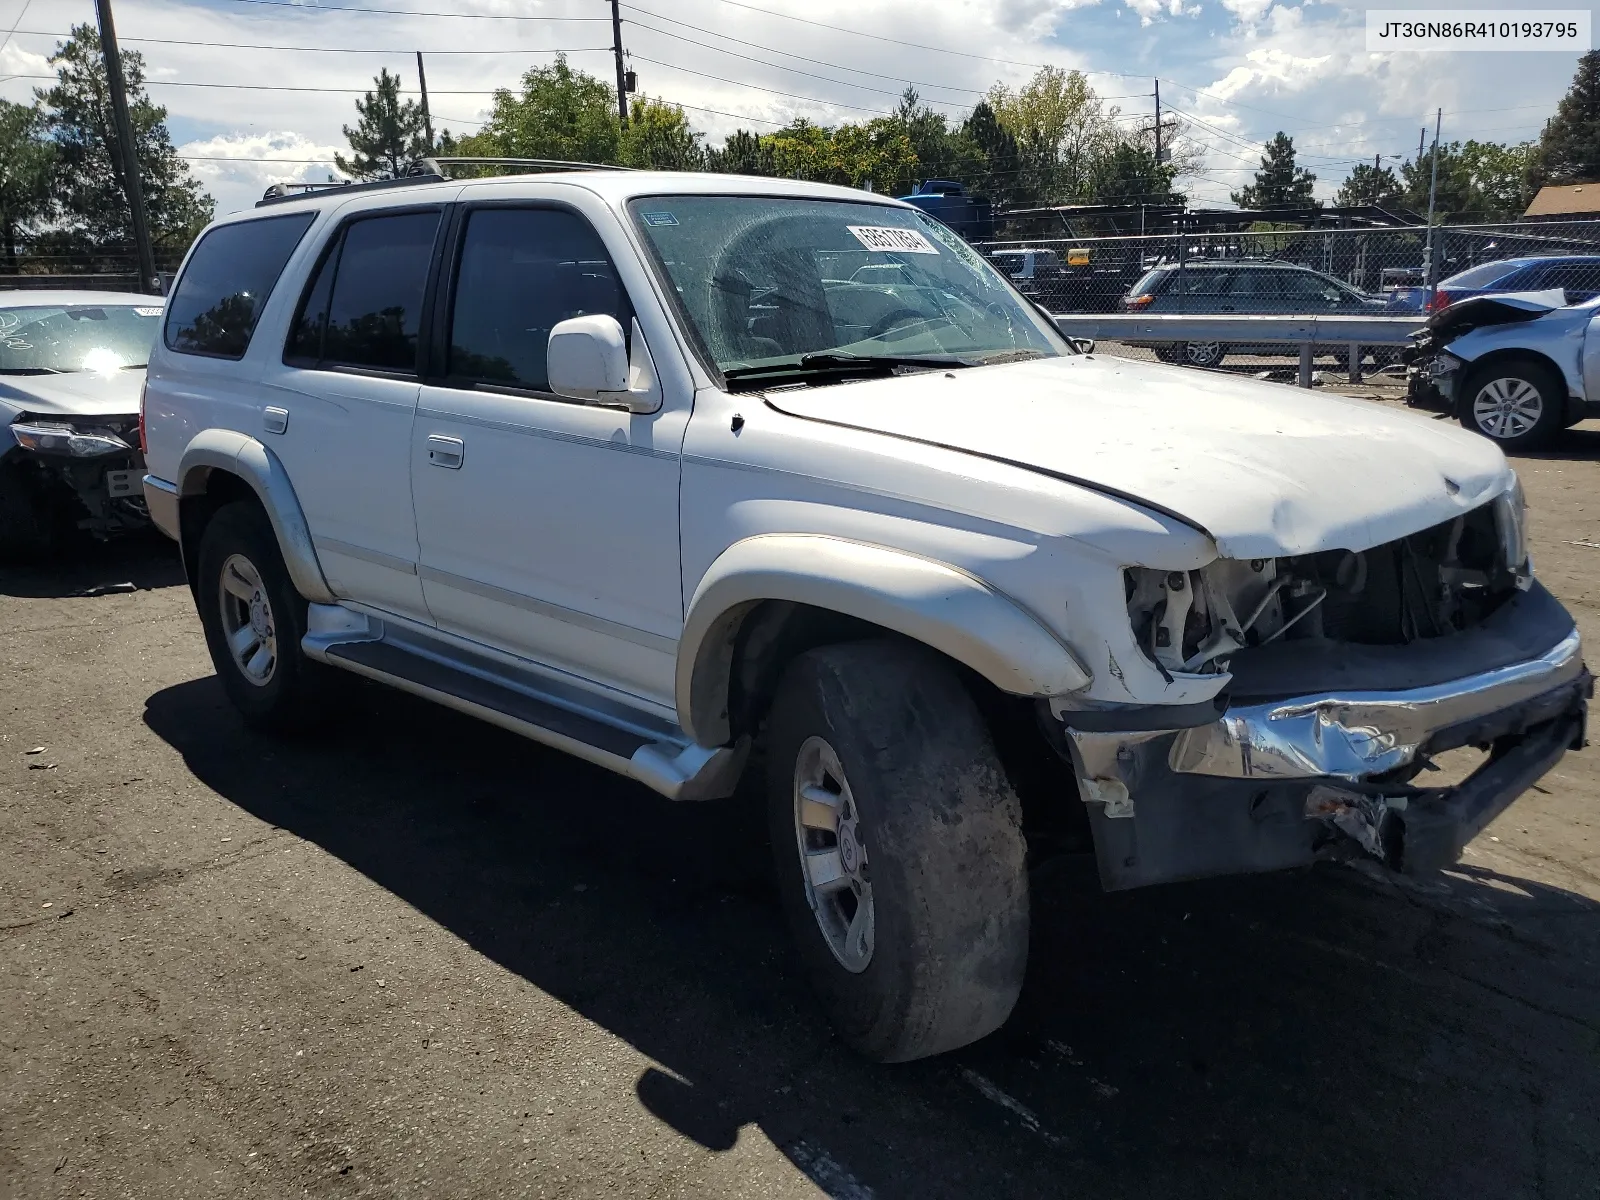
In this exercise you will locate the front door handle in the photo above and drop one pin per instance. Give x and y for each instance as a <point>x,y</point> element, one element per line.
<point>446,451</point>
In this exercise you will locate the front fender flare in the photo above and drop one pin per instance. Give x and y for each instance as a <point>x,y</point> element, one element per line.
<point>930,602</point>
<point>243,456</point>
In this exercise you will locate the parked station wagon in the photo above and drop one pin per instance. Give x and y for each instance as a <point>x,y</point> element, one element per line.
<point>648,467</point>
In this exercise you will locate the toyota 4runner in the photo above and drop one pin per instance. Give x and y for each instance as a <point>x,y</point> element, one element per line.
<point>648,468</point>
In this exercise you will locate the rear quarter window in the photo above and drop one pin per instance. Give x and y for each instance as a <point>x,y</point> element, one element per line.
<point>223,289</point>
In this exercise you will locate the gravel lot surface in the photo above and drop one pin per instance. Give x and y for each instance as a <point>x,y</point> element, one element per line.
<point>419,957</point>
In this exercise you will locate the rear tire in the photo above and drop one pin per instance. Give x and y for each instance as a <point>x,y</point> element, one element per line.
<point>1518,403</point>
<point>254,620</point>
<point>1203,354</point>
<point>898,847</point>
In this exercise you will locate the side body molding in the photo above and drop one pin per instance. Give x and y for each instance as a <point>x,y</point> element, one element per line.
<point>228,450</point>
<point>931,602</point>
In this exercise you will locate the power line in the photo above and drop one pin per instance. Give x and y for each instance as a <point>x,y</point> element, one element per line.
<point>757,87</point>
<point>322,49</point>
<point>410,12</point>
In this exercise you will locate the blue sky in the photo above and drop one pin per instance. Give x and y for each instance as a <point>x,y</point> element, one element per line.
<point>1241,69</point>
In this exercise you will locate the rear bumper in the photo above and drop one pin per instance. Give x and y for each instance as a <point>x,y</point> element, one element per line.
<point>1331,773</point>
<point>161,498</point>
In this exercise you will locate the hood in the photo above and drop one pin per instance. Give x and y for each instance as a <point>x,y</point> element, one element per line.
<point>1264,469</point>
<point>74,393</point>
<point>1500,308</point>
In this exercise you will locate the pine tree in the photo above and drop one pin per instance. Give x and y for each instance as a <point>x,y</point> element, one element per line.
<point>1569,148</point>
<point>1279,183</point>
<point>389,134</point>
<point>1000,177</point>
<point>92,213</point>
<point>1371,185</point>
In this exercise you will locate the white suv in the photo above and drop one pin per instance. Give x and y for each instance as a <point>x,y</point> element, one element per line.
<point>646,467</point>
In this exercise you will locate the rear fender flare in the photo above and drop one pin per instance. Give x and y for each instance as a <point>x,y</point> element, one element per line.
<point>237,454</point>
<point>931,602</point>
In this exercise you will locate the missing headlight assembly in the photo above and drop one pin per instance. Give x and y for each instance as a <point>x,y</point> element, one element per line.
<point>1439,581</point>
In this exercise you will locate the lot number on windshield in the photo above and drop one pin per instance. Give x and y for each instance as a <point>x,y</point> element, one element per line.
<point>888,237</point>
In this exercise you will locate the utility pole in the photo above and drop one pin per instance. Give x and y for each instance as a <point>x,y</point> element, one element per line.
<point>616,49</point>
<point>427,117</point>
<point>1433,192</point>
<point>1158,122</point>
<point>125,150</point>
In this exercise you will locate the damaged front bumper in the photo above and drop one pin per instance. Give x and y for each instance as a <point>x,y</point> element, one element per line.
<point>1315,752</point>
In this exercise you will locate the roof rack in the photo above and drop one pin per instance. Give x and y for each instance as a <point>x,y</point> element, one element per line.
<point>434,165</point>
<point>426,170</point>
<point>279,193</point>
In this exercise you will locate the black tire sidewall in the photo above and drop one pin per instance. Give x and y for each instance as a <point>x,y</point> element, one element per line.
<point>935,947</point>
<point>1552,393</point>
<point>283,701</point>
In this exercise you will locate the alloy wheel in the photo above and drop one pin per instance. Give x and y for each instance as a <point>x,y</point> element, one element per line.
<point>833,854</point>
<point>1202,354</point>
<point>1508,407</point>
<point>247,621</point>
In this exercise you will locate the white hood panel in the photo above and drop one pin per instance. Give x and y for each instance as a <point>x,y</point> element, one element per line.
<point>1265,469</point>
<point>73,393</point>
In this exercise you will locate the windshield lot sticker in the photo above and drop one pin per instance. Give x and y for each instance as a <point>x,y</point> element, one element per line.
<point>660,218</point>
<point>147,312</point>
<point>889,237</point>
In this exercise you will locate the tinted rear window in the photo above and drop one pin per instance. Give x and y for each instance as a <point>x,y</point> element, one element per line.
<point>226,284</point>
<point>1149,281</point>
<point>1484,275</point>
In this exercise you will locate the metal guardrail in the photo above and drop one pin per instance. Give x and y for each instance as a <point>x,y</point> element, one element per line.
<point>1355,333</point>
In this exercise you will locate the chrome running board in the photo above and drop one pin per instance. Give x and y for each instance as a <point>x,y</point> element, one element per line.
<point>626,740</point>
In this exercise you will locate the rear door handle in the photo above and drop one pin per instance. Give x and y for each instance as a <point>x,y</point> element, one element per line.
<point>447,452</point>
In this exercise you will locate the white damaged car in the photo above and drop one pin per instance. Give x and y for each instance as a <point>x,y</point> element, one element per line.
<point>653,469</point>
<point>71,367</point>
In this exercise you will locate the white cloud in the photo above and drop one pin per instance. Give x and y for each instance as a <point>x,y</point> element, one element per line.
<point>1247,12</point>
<point>245,162</point>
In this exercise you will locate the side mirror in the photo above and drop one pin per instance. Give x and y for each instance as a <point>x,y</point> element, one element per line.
<point>587,358</point>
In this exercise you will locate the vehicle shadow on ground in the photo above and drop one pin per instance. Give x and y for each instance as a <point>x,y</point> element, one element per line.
<point>137,563</point>
<point>1316,1033</point>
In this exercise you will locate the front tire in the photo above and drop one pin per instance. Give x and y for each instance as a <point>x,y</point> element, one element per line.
<point>253,620</point>
<point>898,847</point>
<point>29,531</point>
<point>1517,403</point>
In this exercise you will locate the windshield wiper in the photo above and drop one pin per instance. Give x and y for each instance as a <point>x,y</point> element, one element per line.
<point>824,364</point>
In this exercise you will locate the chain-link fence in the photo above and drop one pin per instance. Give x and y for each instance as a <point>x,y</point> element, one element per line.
<point>1295,271</point>
<point>112,269</point>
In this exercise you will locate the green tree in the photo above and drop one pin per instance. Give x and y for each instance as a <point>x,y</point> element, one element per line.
<point>863,156</point>
<point>389,133</point>
<point>997,173</point>
<point>559,113</point>
<point>658,137</point>
<point>1371,185</point>
<point>26,162</point>
<point>938,152</point>
<point>1129,174</point>
<point>742,153</point>
<point>1569,148</point>
<point>1279,183</point>
<point>1478,181</point>
<point>92,212</point>
<point>1061,128</point>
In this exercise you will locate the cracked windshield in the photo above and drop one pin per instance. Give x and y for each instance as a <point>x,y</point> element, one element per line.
<point>54,339</point>
<point>765,281</point>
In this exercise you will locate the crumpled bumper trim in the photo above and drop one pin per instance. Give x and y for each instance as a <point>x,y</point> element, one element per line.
<point>1355,735</point>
